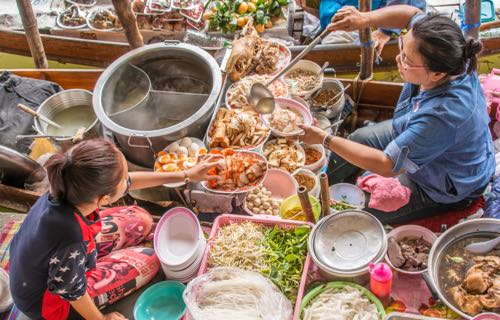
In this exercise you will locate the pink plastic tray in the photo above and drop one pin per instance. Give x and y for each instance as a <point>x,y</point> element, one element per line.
<point>269,221</point>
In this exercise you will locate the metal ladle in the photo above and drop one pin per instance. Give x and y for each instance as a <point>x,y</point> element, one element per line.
<point>261,98</point>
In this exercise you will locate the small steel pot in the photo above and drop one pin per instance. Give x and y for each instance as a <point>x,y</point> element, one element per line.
<point>343,245</point>
<point>62,101</point>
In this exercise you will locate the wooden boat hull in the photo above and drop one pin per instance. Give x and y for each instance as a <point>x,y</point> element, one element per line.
<point>344,58</point>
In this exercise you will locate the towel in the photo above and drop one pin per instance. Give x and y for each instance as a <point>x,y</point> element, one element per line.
<point>387,194</point>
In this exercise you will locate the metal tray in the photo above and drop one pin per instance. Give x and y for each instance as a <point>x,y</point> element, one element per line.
<point>406,316</point>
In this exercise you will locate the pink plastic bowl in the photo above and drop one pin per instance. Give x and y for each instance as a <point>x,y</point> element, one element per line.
<point>410,231</point>
<point>280,183</point>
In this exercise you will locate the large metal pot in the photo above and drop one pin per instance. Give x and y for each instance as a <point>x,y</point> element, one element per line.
<point>467,229</point>
<point>61,101</point>
<point>185,83</point>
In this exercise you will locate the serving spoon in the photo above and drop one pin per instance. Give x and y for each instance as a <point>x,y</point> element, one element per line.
<point>260,98</point>
<point>484,246</point>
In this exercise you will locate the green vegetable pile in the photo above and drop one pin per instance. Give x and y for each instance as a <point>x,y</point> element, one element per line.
<point>230,15</point>
<point>341,205</point>
<point>285,253</point>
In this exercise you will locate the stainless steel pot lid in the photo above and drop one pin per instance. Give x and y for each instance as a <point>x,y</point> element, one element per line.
<point>349,240</point>
<point>15,167</point>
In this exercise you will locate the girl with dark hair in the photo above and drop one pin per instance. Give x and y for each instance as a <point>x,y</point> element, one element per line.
<point>438,143</point>
<point>54,250</point>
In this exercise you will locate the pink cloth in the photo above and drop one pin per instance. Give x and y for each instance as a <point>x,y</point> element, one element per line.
<point>387,194</point>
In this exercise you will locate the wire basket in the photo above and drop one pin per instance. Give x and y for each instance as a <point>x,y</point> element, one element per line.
<point>268,221</point>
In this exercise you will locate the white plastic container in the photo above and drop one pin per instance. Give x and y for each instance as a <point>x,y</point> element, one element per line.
<point>318,165</point>
<point>308,66</point>
<point>316,189</point>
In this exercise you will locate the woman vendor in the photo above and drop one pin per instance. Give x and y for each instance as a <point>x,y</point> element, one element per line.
<point>438,143</point>
<point>57,267</point>
<point>328,8</point>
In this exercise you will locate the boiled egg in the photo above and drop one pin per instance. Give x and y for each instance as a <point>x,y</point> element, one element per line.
<point>182,152</point>
<point>185,142</point>
<point>173,147</point>
<point>190,162</point>
<point>193,149</point>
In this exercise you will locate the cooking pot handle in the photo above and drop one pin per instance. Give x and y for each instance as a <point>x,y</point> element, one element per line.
<point>430,285</point>
<point>171,42</point>
<point>150,144</point>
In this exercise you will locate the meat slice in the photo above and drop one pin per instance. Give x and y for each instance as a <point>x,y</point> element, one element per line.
<point>468,303</point>
<point>476,280</point>
<point>394,253</point>
<point>491,300</point>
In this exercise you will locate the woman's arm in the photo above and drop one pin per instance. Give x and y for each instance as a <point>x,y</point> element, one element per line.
<point>358,154</point>
<point>350,19</point>
<point>145,179</point>
<point>88,310</point>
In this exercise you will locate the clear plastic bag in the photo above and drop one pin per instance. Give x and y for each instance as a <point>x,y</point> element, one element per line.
<point>231,293</point>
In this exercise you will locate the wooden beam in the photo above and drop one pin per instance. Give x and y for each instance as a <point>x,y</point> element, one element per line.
<point>367,48</point>
<point>472,19</point>
<point>32,35</point>
<point>129,22</point>
<point>17,199</point>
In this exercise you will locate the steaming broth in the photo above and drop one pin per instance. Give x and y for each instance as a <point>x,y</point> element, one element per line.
<point>71,120</point>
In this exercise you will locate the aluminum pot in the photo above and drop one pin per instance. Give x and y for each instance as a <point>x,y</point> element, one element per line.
<point>64,100</point>
<point>185,82</point>
<point>343,244</point>
<point>470,228</point>
<point>334,108</point>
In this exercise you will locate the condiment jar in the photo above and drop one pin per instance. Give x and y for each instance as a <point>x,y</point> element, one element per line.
<point>381,281</point>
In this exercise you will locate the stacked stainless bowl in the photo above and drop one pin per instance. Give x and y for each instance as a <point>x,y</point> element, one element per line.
<point>344,244</point>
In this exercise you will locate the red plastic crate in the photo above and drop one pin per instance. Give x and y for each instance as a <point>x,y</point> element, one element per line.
<point>269,221</point>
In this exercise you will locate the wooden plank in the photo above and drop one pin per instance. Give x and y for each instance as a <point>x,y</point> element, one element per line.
<point>17,199</point>
<point>62,49</point>
<point>66,78</point>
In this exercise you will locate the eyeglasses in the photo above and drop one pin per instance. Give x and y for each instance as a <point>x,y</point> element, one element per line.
<point>404,62</point>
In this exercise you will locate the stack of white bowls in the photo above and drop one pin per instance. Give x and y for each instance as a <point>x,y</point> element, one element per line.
<point>179,244</point>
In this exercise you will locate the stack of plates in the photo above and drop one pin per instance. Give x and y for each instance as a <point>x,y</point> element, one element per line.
<point>179,244</point>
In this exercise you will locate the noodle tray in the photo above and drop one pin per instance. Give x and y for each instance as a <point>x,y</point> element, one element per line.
<point>266,221</point>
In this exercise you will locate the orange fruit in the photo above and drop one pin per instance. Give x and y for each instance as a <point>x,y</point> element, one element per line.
<point>243,8</point>
<point>241,21</point>
<point>269,24</point>
<point>260,28</point>
<point>252,7</point>
<point>254,1</point>
<point>208,15</point>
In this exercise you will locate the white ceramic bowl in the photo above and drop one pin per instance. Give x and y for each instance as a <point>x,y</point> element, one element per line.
<point>308,66</point>
<point>316,189</point>
<point>189,271</point>
<point>177,237</point>
<point>412,232</point>
<point>315,166</point>
<point>292,105</point>
<point>348,192</point>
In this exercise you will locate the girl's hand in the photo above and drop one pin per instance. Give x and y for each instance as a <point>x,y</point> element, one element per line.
<point>380,40</point>
<point>348,19</point>
<point>200,172</point>
<point>114,316</point>
<point>312,135</point>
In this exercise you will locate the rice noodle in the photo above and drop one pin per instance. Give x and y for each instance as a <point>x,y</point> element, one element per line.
<point>238,91</point>
<point>346,303</point>
<point>231,293</point>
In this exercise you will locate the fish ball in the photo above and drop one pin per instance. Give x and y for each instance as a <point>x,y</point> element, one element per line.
<point>249,205</point>
<point>266,205</point>
<point>257,202</point>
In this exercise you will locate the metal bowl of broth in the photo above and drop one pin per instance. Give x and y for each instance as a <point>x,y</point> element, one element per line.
<point>71,109</point>
<point>449,250</point>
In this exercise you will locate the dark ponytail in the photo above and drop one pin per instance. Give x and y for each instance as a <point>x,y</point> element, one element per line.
<point>90,169</point>
<point>443,46</point>
<point>471,51</point>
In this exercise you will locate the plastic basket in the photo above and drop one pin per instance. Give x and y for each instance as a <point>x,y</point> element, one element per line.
<point>269,221</point>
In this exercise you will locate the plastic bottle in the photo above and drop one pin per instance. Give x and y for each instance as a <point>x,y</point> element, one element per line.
<point>381,281</point>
